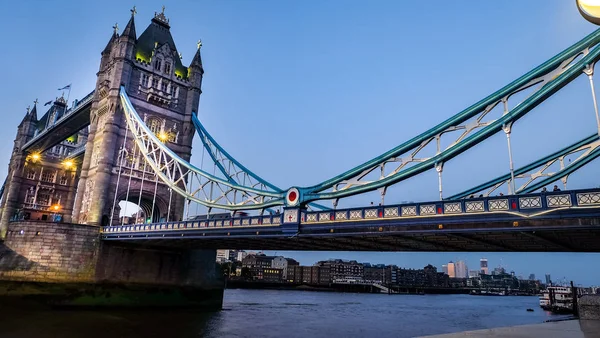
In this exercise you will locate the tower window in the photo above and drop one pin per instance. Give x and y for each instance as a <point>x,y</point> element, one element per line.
<point>167,68</point>
<point>163,86</point>
<point>63,180</point>
<point>155,83</point>
<point>31,174</point>
<point>145,79</point>
<point>48,176</point>
<point>157,64</point>
<point>173,90</point>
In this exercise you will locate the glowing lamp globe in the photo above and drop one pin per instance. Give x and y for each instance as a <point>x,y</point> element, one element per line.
<point>590,10</point>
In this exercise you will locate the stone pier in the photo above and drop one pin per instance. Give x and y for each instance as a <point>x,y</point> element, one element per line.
<point>68,265</point>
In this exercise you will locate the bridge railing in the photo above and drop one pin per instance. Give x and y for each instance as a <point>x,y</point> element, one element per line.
<point>528,205</point>
<point>251,221</point>
<point>525,205</point>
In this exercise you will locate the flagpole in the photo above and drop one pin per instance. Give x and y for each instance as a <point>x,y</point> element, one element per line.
<point>68,95</point>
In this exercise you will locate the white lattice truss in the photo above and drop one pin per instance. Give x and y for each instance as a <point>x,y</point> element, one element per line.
<point>395,165</point>
<point>189,181</point>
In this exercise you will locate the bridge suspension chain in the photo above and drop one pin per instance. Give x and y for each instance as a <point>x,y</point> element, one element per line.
<point>174,172</point>
<point>407,159</point>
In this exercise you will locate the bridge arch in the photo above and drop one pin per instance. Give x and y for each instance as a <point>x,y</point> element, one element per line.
<point>152,208</point>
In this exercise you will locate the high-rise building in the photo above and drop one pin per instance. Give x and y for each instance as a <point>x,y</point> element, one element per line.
<point>532,276</point>
<point>473,274</point>
<point>548,279</point>
<point>483,266</point>
<point>222,256</point>
<point>451,270</point>
<point>445,269</point>
<point>461,269</point>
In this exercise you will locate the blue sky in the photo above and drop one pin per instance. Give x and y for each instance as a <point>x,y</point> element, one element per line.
<point>300,91</point>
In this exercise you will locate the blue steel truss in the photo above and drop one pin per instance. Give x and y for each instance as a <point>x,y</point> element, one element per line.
<point>589,148</point>
<point>241,189</point>
<point>549,77</point>
<point>233,170</point>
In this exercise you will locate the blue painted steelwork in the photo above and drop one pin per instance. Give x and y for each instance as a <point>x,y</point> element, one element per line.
<point>208,142</point>
<point>543,73</point>
<point>175,171</point>
<point>584,203</point>
<point>594,151</point>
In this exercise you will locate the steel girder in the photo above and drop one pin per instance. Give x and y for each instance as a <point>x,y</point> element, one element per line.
<point>177,173</point>
<point>536,172</point>
<point>233,170</point>
<point>407,160</point>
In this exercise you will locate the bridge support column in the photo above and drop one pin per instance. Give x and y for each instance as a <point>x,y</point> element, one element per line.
<point>69,265</point>
<point>10,202</point>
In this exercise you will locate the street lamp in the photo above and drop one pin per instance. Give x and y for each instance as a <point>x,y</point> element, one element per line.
<point>68,164</point>
<point>590,10</point>
<point>36,157</point>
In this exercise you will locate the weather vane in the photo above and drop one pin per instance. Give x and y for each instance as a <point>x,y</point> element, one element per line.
<point>199,44</point>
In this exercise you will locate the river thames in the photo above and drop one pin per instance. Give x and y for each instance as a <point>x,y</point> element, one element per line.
<point>273,313</point>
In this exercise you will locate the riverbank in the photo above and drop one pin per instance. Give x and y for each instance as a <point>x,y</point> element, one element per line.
<point>352,288</point>
<point>563,329</point>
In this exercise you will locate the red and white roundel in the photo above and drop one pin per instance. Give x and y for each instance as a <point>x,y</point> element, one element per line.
<point>292,197</point>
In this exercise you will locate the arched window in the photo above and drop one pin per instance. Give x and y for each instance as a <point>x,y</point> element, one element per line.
<point>157,64</point>
<point>154,124</point>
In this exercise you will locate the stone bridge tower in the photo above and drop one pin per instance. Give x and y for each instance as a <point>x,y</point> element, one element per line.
<point>165,93</point>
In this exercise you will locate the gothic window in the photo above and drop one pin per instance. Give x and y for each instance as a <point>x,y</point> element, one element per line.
<point>173,90</point>
<point>157,64</point>
<point>63,180</point>
<point>163,86</point>
<point>30,195</point>
<point>155,83</point>
<point>145,79</point>
<point>44,198</point>
<point>48,176</point>
<point>172,137</point>
<point>154,125</point>
<point>31,174</point>
<point>167,68</point>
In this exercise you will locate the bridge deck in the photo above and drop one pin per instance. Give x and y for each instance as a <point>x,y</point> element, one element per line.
<point>557,221</point>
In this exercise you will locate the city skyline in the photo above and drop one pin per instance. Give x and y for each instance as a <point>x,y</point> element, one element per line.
<point>292,68</point>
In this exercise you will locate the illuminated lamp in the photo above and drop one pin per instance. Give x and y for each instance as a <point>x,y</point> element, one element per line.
<point>590,10</point>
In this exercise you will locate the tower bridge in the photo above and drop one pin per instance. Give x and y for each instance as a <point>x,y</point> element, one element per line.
<point>130,139</point>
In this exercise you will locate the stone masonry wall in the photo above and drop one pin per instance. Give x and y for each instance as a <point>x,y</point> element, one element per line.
<point>49,252</point>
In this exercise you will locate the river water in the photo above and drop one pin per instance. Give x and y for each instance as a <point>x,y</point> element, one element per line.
<point>290,314</point>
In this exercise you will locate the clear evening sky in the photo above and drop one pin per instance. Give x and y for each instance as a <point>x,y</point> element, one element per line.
<point>300,91</point>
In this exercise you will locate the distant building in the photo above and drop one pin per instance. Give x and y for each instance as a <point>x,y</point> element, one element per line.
<point>282,263</point>
<point>461,269</point>
<point>451,270</point>
<point>257,263</point>
<point>222,256</point>
<point>474,274</point>
<point>341,269</point>
<point>532,276</point>
<point>374,273</point>
<point>483,266</point>
<point>548,279</point>
<point>240,255</point>
<point>445,269</point>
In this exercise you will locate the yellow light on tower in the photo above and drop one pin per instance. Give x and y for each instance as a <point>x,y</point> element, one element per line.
<point>68,164</point>
<point>590,10</point>
<point>163,136</point>
<point>56,207</point>
<point>36,156</point>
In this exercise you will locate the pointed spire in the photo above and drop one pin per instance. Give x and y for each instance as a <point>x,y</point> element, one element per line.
<point>130,28</point>
<point>33,112</point>
<point>111,41</point>
<point>197,61</point>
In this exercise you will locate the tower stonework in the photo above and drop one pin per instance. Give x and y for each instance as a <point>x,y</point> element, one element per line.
<point>165,93</point>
